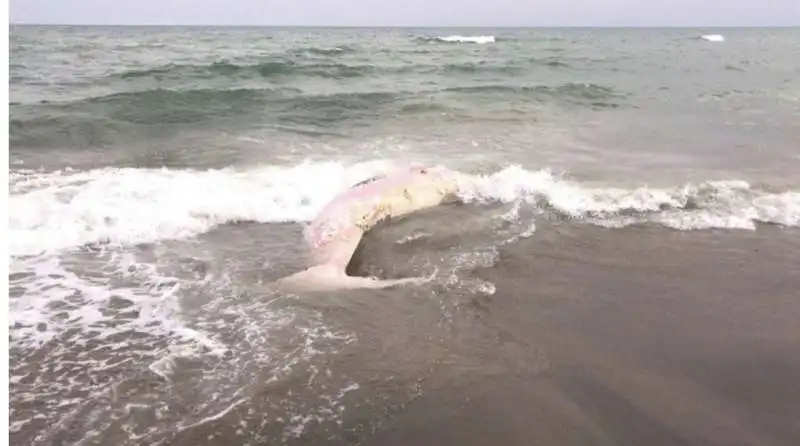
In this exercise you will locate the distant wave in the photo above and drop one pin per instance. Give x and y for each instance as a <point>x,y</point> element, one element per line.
<point>168,106</point>
<point>482,67</point>
<point>713,37</point>
<point>99,120</point>
<point>467,39</point>
<point>509,67</point>
<point>329,70</point>
<point>459,39</point>
<point>596,96</point>
<point>104,119</point>
<point>335,51</point>
<point>291,70</point>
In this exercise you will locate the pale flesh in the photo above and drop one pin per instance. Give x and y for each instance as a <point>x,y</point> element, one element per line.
<point>336,232</point>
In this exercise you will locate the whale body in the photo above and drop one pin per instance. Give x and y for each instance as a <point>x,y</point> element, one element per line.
<point>336,232</point>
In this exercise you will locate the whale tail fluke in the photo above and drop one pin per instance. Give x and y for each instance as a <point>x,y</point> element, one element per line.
<point>329,277</point>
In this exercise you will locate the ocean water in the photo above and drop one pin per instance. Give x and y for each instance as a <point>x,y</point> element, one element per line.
<point>160,179</point>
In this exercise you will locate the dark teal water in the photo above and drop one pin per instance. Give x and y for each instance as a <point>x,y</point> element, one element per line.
<point>128,92</point>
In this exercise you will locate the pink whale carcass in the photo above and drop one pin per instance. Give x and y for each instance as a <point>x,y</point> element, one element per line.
<point>337,230</point>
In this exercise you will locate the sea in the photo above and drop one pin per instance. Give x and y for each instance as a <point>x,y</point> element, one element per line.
<point>622,268</point>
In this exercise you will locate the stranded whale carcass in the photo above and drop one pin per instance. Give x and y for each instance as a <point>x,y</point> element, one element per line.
<point>336,232</point>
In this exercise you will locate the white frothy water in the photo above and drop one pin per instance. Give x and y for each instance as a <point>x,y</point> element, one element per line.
<point>54,215</point>
<point>713,37</point>
<point>61,210</point>
<point>714,204</point>
<point>467,39</point>
<point>56,211</point>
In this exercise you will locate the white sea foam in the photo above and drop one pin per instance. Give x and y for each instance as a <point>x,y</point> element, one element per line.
<point>51,212</point>
<point>269,342</point>
<point>57,211</point>
<point>713,37</point>
<point>467,39</point>
<point>712,204</point>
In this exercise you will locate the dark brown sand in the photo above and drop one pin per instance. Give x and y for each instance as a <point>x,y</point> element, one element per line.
<point>636,336</point>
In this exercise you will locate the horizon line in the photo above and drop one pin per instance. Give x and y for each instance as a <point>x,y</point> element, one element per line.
<point>390,26</point>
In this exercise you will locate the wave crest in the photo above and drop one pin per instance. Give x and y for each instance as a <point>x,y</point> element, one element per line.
<point>466,39</point>
<point>66,210</point>
<point>274,68</point>
<point>594,95</point>
<point>712,204</point>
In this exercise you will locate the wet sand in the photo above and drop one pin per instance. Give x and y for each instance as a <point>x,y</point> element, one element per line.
<point>634,336</point>
<point>639,336</point>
